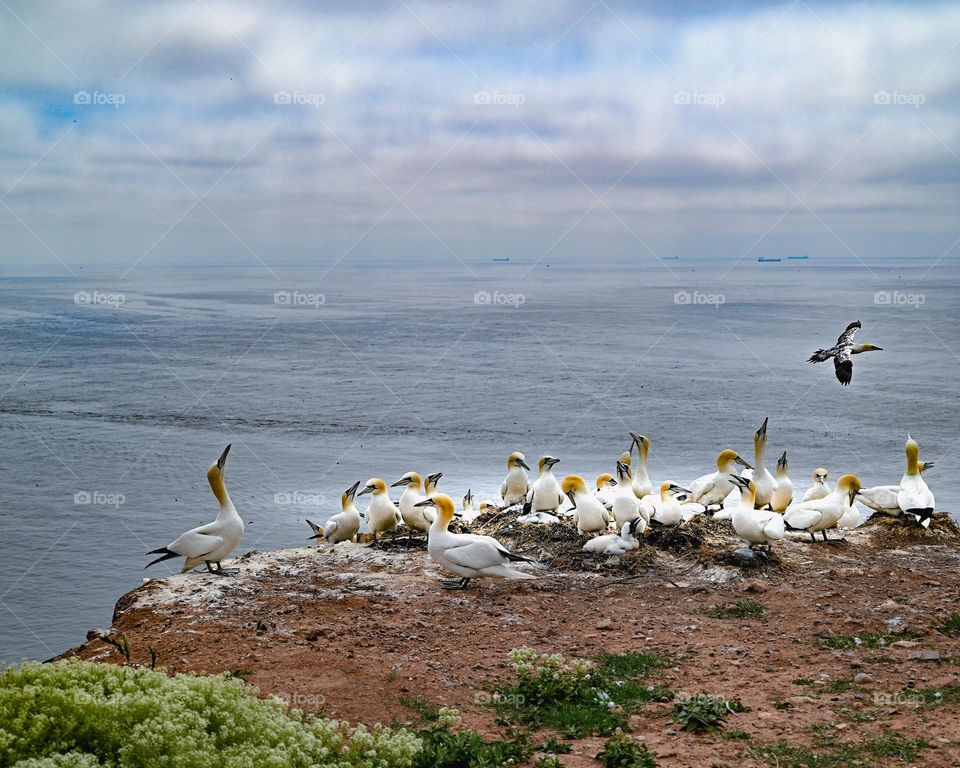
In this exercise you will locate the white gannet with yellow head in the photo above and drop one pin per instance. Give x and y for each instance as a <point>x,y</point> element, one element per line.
<point>618,543</point>
<point>382,515</point>
<point>208,544</point>
<point>412,515</point>
<point>885,498</point>
<point>606,486</point>
<point>469,513</point>
<point>430,484</point>
<point>342,526</point>
<point>545,494</point>
<point>712,489</point>
<point>822,514</point>
<point>665,508</point>
<point>515,485</point>
<point>626,505</point>
<point>465,554</point>
<point>783,494</point>
<point>821,485</point>
<point>762,479</point>
<point>915,498</point>
<point>641,480</point>
<point>589,513</point>
<point>755,526</point>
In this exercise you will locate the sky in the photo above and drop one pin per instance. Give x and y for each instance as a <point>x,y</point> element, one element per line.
<point>201,131</point>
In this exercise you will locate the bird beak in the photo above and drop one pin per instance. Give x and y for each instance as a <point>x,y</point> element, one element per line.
<point>675,489</point>
<point>352,490</point>
<point>223,457</point>
<point>522,463</point>
<point>426,503</point>
<point>762,432</point>
<point>551,462</point>
<point>612,481</point>
<point>742,463</point>
<point>434,477</point>
<point>401,481</point>
<point>366,489</point>
<point>573,499</point>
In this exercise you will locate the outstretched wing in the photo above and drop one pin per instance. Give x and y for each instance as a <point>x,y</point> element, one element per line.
<point>845,339</point>
<point>843,366</point>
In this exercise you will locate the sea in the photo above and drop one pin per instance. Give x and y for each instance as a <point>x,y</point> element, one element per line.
<point>116,394</point>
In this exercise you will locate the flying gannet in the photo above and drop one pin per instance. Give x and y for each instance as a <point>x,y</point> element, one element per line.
<point>712,489</point>
<point>841,352</point>
<point>465,554</point>
<point>821,514</point>
<point>343,526</point>
<point>208,544</point>
<point>783,494</point>
<point>515,484</point>
<point>914,497</point>
<point>762,479</point>
<point>618,543</point>
<point>545,494</point>
<point>382,515</point>
<point>641,480</point>
<point>755,526</point>
<point>820,488</point>
<point>589,514</point>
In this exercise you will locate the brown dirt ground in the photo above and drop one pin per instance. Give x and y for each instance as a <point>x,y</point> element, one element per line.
<point>349,630</point>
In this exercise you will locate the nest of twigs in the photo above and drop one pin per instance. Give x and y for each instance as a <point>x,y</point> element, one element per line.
<point>890,532</point>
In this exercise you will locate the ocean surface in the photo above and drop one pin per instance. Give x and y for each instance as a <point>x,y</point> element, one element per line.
<point>116,395</point>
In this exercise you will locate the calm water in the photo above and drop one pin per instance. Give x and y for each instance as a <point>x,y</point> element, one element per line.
<point>402,369</point>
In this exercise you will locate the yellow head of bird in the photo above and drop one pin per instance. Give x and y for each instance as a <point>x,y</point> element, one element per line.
<point>605,479</point>
<point>346,498</point>
<point>642,443</point>
<point>374,485</point>
<point>912,449</point>
<point>215,476</point>
<point>727,457</point>
<point>547,462</point>
<point>517,459</point>
<point>850,485</point>
<point>820,475</point>
<point>626,457</point>
<point>411,478</point>
<point>444,505</point>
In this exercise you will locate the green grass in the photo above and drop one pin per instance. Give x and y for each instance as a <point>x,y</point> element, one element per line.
<point>948,695</point>
<point>738,735</point>
<point>620,751</point>
<point>834,754</point>
<point>705,713</point>
<point>427,711</point>
<point>548,761</point>
<point>872,640</point>
<point>951,625</point>
<point>556,746</point>
<point>578,698</point>
<point>442,747</point>
<point>741,609</point>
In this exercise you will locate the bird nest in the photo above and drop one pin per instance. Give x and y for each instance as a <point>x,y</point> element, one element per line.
<point>888,532</point>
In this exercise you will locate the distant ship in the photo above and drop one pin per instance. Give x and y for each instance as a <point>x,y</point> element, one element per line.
<point>670,258</point>
<point>764,259</point>
<point>798,257</point>
<point>505,259</point>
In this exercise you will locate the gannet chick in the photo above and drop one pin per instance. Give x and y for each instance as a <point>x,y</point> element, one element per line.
<point>884,498</point>
<point>666,508</point>
<point>915,498</point>
<point>621,543</point>
<point>712,489</point>
<point>589,514</point>
<point>515,484</point>
<point>641,481</point>
<point>545,494</point>
<point>626,505</point>
<point>841,352</point>
<point>755,526</point>
<point>208,544</point>
<point>783,494</point>
<point>343,526</point>
<point>430,484</point>
<point>382,515</point>
<point>606,488</point>
<point>465,554</point>
<point>762,478</point>
<point>821,514</point>
<point>538,518</point>
<point>820,488</point>
<point>412,516</point>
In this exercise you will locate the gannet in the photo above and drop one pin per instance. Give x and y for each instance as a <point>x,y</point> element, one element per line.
<point>618,543</point>
<point>208,544</point>
<point>589,514</point>
<point>850,519</point>
<point>841,352</point>
<point>883,498</point>
<point>545,494</point>
<point>515,484</point>
<point>914,497</point>
<point>755,526</point>
<point>382,515</point>
<point>821,514</point>
<point>641,481</point>
<point>342,526</point>
<point>714,488</point>
<point>666,508</point>
<point>430,484</point>
<point>412,516</point>
<point>469,513</point>
<point>465,554</point>
<point>538,518</point>
<point>820,488</point>
<point>762,479</point>
<point>783,493</point>
<point>626,505</point>
<point>606,488</point>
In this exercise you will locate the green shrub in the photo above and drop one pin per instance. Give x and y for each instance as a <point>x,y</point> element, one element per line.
<point>742,609</point>
<point>705,713</point>
<point>444,748</point>
<point>620,751</point>
<point>75,714</point>
<point>877,751</point>
<point>951,625</point>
